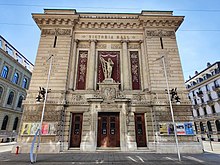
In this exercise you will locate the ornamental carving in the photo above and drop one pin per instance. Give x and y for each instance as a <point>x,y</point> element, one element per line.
<point>135,70</point>
<point>115,46</point>
<point>83,46</point>
<point>133,46</point>
<point>56,32</point>
<point>101,46</point>
<point>82,65</point>
<point>160,33</point>
<point>109,93</point>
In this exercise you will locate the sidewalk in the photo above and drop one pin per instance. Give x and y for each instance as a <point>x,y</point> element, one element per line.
<point>4,147</point>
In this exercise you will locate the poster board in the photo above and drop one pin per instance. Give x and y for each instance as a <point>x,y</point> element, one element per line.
<point>48,128</point>
<point>182,128</point>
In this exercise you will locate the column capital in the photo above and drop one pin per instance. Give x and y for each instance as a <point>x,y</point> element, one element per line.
<point>140,41</point>
<point>125,41</point>
<point>76,40</point>
<point>95,41</point>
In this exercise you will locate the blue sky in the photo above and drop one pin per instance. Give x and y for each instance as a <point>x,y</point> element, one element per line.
<point>198,37</point>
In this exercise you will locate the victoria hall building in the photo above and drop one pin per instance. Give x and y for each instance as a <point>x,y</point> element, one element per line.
<point>108,75</point>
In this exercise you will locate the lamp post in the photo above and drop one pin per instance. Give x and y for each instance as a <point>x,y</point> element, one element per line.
<point>171,107</point>
<point>44,92</point>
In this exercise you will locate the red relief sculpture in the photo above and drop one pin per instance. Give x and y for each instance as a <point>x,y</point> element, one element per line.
<point>81,75</point>
<point>115,58</point>
<point>135,70</point>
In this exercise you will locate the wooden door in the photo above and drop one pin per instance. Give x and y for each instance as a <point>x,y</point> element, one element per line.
<point>108,130</point>
<point>140,130</point>
<point>76,131</point>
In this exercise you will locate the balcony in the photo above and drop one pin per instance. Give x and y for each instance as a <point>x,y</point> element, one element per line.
<point>200,94</point>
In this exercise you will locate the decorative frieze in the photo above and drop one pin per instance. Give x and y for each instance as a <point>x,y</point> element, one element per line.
<point>56,32</point>
<point>101,46</point>
<point>116,46</point>
<point>133,46</point>
<point>160,33</point>
<point>80,45</point>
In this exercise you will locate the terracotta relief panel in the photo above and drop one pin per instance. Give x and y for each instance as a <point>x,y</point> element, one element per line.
<point>81,73</point>
<point>135,70</point>
<point>115,57</point>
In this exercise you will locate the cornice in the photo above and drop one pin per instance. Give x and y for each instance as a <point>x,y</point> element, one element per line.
<point>108,21</point>
<point>54,20</point>
<point>161,21</point>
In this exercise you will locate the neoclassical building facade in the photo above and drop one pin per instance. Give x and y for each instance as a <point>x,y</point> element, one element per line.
<point>107,83</point>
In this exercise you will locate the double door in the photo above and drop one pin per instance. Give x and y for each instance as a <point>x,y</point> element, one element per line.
<point>108,130</point>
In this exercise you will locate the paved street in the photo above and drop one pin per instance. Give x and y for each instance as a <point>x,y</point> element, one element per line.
<point>7,158</point>
<point>107,157</point>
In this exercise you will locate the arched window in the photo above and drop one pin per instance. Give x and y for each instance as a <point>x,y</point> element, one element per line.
<point>5,72</point>
<point>217,123</point>
<point>4,124</point>
<point>24,83</point>
<point>20,101</point>
<point>10,98</point>
<point>15,78</point>
<point>202,128</point>
<point>209,127</point>
<point>15,125</point>
<point>1,92</point>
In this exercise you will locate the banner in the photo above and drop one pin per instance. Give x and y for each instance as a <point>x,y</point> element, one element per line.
<point>180,129</point>
<point>26,129</point>
<point>189,128</point>
<point>163,128</point>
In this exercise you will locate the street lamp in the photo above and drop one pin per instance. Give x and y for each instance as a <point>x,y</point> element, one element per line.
<point>171,108</point>
<point>42,95</point>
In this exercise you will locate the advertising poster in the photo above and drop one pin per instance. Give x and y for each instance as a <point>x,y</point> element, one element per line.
<point>170,129</point>
<point>34,127</point>
<point>189,128</point>
<point>45,127</point>
<point>180,129</point>
<point>26,129</point>
<point>163,128</point>
<point>52,129</point>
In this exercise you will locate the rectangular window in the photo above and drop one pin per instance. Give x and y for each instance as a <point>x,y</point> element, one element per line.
<point>213,109</point>
<point>207,88</point>
<point>81,73</point>
<point>0,43</point>
<point>9,50</point>
<point>135,70</point>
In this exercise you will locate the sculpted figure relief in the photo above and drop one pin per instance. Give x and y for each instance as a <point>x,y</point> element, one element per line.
<point>107,67</point>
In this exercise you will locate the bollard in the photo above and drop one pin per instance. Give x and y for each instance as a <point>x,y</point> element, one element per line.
<point>17,149</point>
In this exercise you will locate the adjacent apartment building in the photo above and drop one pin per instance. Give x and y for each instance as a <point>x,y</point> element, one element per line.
<point>107,83</point>
<point>204,93</point>
<point>15,76</point>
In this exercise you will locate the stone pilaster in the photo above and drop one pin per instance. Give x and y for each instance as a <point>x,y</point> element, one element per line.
<point>73,65</point>
<point>125,66</point>
<point>91,66</point>
<point>143,66</point>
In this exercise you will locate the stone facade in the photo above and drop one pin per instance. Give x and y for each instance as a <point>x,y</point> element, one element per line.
<point>133,97</point>
<point>15,68</point>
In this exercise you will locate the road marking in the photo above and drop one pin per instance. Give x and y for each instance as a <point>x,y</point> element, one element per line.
<point>140,158</point>
<point>192,158</point>
<point>132,159</point>
<point>170,158</point>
